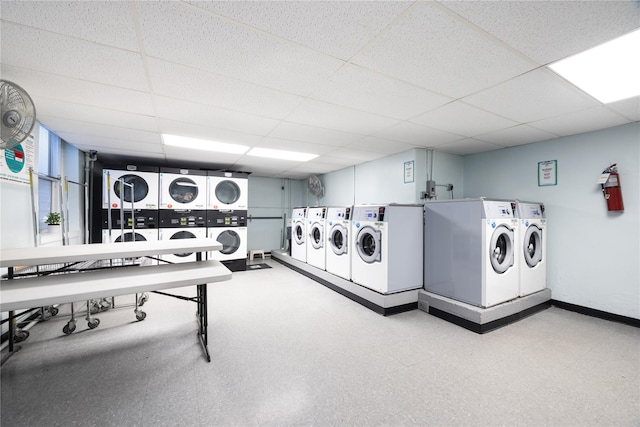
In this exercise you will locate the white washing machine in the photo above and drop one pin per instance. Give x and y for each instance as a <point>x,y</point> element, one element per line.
<point>228,190</point>
<point>298,234</point>
<point>532,250</point>
<point>469,248</point>
<point>337,235</point>
<point>145,187</point>
<point>386,255</point>
<point>315,236</point>
<point>141,235</point>
<point>181,233</point>
<point>183,189</point>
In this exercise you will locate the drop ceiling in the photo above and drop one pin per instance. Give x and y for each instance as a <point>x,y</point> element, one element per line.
<point>349,81</point>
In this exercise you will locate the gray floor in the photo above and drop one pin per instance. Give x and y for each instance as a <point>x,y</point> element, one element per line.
<point>288,351</point>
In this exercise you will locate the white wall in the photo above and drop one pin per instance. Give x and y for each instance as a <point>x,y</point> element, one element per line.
<point>593,255</point>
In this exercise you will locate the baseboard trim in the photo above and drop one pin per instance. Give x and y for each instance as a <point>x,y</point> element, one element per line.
<point>596,313</point>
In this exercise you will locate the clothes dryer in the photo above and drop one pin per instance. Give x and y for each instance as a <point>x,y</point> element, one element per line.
<point>183,224</point>
<point>532,250</point>
<point>337,245</point>
<point>315,236</point>
<point>144,193</point>
<point>183,189</point>
<point>230,229</point>
<point>469,248</point>
<point>299,227</point>
<point>138,235</point>
<point>386,256</point>
<point>227,191</point>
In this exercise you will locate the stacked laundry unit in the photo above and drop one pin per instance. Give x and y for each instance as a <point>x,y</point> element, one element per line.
<point>130,199</point>
<point>183,201</point>
<point>227,204</point>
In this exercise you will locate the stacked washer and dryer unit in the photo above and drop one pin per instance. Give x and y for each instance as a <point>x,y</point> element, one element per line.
<point>130,193</point>
<point>227,206</point>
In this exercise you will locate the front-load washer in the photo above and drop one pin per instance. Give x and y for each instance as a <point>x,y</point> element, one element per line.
<point>298,231</point>
<point>337,245</point>
<point>124,184</point>
<point>183,189</point>
<point>227,191</point>
<point>532,249</point>
<point>469,248</point>
<point>234,246</point>
<point>315,236</point>
<point>386,256</point>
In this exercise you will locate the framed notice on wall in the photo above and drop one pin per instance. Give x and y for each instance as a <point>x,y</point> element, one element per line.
<point>547,173</point>
<point>409,172</point>
<point>15,162</point>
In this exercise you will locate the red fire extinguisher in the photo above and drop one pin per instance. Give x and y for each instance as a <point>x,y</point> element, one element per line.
<point>611,188</point>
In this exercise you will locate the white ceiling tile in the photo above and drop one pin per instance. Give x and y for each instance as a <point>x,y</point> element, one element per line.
<point>379,145</point>
<point>340,162</point>
<point>107,144</point>
<point>178,81</point>
<point>432,48</point>
<point>63,125</point>
<point>630,108</point>
<point>516,135</point>
<point>414,134</point>
<point>463,119</point>
<point>189,112</point>
<point>581,121</point>
<point>467,146</point>
<point>252,163</point>
<point>338,28</point>
<point>297,146</point>
<point>200,131</point>
<point>314,168</point>
<point>330,116</point>
<point>533,96</point>
<point>34,49</point>
<point>550,30</point>
<point>358,155</point>
<point>77,19</point>
<point>314,134</point>
<point>200,156</point>
<point>361,89</point>
<point>180,33</point>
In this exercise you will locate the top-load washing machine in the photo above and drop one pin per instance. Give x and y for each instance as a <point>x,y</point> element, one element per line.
<point>469,248</point>
<point>183,189</point>
<point>337,235</point>
<point>129,183</point>
<point>227,191</point>
<point>532,250</point>
<point>315,236</point>
<point>386,255</point>
<point>298,231</point>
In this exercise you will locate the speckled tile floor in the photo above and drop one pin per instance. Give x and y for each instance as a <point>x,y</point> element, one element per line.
<point>288,351</point>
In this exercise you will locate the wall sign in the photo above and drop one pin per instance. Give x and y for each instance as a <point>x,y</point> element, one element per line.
<point>15,162</point>
<point>409,172</point>
<point>547,173</point>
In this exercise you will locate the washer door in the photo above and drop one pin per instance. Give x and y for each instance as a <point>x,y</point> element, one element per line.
<point>183,190</point>
<point>501,249</point>
<point>183,235</point>
<point>128,237</point>
<point>533,245</point>
<point>227,192</point>
<point>140,188</point>
<point>369,244</point>
<point>338,239</point>
<point>230,241</point>
<point>317,236</point>
<point>298,233</point>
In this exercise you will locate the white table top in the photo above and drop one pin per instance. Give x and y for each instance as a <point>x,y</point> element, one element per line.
<point>73,253</point>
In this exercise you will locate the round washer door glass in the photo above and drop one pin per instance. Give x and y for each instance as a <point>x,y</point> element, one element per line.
<point>230,241</point>
<point>317,237</point>
<point>533,246</point>
<point>369,245</point>
<point>501,249</point>
<point>183,190</point>
<point>338,239</point>
<point>128,237</point>
<point>298,234</point>
<point>140,188</point>
<point>227,192</point>
<point>183,235</point>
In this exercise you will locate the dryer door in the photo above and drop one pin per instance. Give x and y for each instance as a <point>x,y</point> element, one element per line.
<point>338,239</point>
<point>140,188</point>
<point>369,245</point>
<point>182,235</point>
<point>501,249</point>
<point>227,192</point>
<point>317,236</point>
<point>129,237</point>
<point>183,190</point>
<point>533,245</point>
<point>230,241</point>
<point>298,233</point>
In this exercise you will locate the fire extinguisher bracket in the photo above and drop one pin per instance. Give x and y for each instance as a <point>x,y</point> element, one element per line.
<point>610,182</point>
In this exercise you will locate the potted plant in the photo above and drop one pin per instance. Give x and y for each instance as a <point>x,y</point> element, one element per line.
<point>53,218</point>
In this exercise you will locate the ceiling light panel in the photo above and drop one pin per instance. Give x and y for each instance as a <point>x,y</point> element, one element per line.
<point>281,154</point>
<point>202,144</point>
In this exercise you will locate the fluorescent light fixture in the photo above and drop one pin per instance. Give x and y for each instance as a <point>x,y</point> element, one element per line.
<point>609,72</point>
<point>281,154</point>
<point>203,144</point>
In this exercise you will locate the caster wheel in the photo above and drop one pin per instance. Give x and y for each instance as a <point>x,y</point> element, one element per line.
<point>93,323</point>
<point>20,336</point>
<point>69,328</point>
<point>144,298</point>
<point>141,315</point>
<point>54,311</point>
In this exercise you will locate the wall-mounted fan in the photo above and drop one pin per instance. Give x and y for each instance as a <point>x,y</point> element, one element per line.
<point>315,186</point>
<point>17,112</point>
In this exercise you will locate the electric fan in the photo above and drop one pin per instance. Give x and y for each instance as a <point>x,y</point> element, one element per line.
<point>315,186</point>
<point>18,114</point>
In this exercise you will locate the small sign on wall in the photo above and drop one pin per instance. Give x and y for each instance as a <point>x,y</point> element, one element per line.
<point>15,162</point>
<point>409,172</point>
<point>547,173</point>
